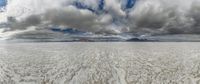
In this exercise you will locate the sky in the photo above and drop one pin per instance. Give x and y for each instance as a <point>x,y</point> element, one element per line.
<point>2,3</point>
<point>35,18</point>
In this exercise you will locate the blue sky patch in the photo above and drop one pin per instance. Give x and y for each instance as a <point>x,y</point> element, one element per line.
<point>101,4</point>
<point>82,6</point>
<point>3,3</point>
<point>130,3</point>
<point>68,30</point>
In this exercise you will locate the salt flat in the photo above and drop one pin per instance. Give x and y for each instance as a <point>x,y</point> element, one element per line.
<point>100,63</point>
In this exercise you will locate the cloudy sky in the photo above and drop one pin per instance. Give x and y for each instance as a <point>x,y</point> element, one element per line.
<point>63,18</point>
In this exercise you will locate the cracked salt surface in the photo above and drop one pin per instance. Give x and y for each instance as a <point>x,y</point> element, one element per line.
<point>100,63</point>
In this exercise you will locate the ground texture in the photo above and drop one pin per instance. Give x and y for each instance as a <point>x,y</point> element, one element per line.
<point>100,63</point>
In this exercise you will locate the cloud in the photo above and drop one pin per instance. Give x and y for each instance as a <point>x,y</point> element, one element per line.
<point>154,17</point>
<point>165,17</point>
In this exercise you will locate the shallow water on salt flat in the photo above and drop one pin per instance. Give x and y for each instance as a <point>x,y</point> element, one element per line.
<point>100,63</point>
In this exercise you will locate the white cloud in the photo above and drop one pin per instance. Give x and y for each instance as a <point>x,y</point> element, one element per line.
<point>165,16</point>
<point>115,7</point>
<point>147,16</point>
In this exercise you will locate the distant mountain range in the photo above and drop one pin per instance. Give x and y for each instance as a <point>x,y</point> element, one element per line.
<point>74,35</point>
